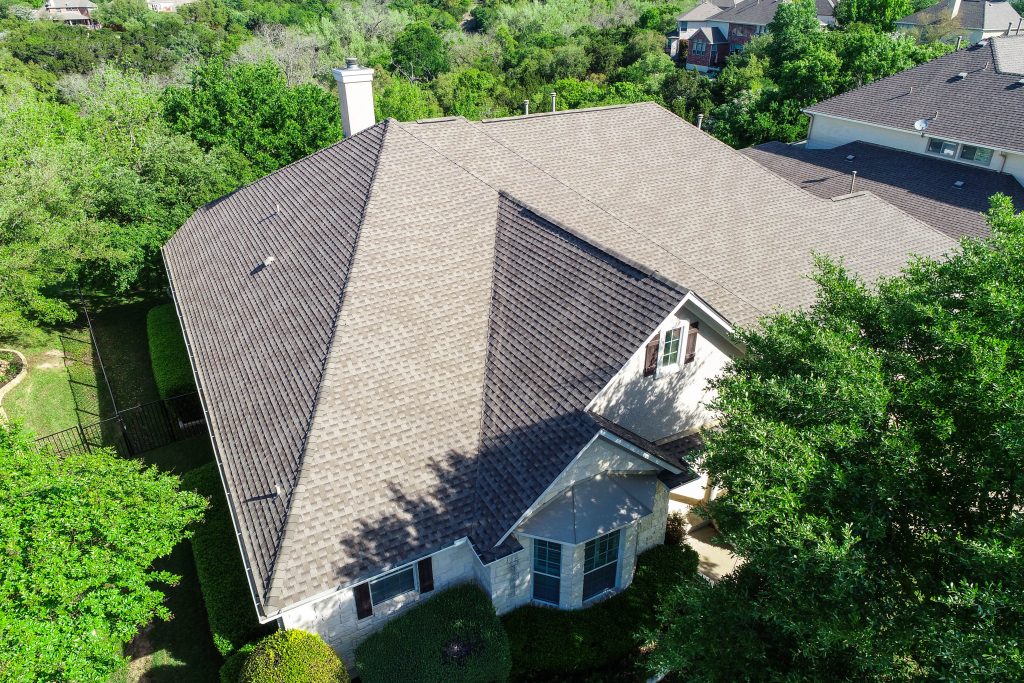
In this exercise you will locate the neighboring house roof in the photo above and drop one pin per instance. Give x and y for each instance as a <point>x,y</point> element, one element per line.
<point>712,35</point>
<point>704,10</point>
<point>985,108</point>
<point>70,4</point>
<point>968,14</point>
<point>921,185</point>
<point>761,12</point>
<point>1009,56</point>
<point>447,297</point>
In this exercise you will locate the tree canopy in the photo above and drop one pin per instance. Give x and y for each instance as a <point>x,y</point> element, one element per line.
<point>871,451</point>
<point>79,536</point>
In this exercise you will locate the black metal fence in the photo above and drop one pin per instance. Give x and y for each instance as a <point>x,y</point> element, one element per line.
<point>134,431</point>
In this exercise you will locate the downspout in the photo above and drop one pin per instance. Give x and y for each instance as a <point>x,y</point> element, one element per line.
<point>1002,165</point>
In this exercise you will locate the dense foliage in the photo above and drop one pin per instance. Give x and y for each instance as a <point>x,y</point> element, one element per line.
<point>292,657</point>
<point>79,536</point>
<point>219,566</point>
<point>171,367</point>
<point>552,644</point>
<point>231,669</point>
<point>453,637</point>
<point>872,450</point>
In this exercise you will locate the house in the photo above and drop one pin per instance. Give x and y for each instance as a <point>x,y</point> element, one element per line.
<point>70,12</point>
<point>975,20</point>
<point>712,31</point>
<point>965,107</point>
<point>168,5</point>
<point>448,351</point>
<point>950,197</point>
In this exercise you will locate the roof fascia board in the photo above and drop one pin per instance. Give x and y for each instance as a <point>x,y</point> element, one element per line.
<point>250,576</point>
<point>924,134</point>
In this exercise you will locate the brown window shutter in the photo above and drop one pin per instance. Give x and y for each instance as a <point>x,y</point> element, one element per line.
<point>651,357</point>
<point>691,342</point>
<point>364,606</point>
<point>425,568</point>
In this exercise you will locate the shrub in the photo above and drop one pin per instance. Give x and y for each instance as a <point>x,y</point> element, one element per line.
<point>453,637</point>
<point>548,643</point>
<point>231,669</point>
<point>292,657</point>
<point>221,573</point>
<point>675,528</point>
<point>171,368</point>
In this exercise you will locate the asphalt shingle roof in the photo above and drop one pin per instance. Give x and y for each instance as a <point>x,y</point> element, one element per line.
<point>918,184</point>
<point>985,108</point>
<point>761,12</point>
<point>413,367</point>
<point>970,14</point>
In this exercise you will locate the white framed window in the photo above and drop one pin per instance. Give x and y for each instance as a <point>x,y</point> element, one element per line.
<point>943,148</point>
<point>600,564</point>
<point>670,347</point>
<point>976,155</point>
<point>698,47</point>
<point>547,571</point>
<point>392,585</point>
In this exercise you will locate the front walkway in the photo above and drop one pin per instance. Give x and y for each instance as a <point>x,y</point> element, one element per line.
<point>716,560</point>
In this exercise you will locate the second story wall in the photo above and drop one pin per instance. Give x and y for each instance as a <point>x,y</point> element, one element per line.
<point>827,132</point>
<point>673,400</point>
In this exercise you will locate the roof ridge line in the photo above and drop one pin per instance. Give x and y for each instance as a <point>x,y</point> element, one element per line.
<point>282,537</point>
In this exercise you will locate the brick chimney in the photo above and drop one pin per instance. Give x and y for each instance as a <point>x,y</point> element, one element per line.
<point>355,90</point>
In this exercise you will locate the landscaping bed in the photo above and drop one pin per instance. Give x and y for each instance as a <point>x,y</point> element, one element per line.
<point>229,604</point>
<point>453,637</point>
<point>599,643</point>
<point>10,367</point>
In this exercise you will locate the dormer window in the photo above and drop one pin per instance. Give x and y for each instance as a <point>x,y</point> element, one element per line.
<point>977,155</point>
<point>943,148</point>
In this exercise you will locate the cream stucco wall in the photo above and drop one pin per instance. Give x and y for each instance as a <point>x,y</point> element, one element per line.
<point>334,617</point>
<point>674,400</point>
<point>827,132</point>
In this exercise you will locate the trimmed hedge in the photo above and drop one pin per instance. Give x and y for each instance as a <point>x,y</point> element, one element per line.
<point>454,637</point>
<point>293,657</point>
<point>219,565</point>
<point>171,368</point>
<point>231,669</point>
<point>552,644</point>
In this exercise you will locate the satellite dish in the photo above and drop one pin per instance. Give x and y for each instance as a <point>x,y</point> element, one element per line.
<point>921,124</point>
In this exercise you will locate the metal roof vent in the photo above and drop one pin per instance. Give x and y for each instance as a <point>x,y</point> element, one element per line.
<point>1021,82</point>
<point>267,261</point>
<point>959,184</point>
<point>851,157</point>
<point>962,75</point>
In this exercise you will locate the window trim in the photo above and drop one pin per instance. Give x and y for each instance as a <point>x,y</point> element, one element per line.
<point>415,584</point>
<point>664,342</point>
<point>617,561</point>
<point>703,48</point>
<point>986,164</point>
<point>534,571</point>
<point>942,145</point>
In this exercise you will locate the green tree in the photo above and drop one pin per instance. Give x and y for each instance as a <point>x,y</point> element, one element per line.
<point>471,93</point>
<point>419,52</point>
<point>80,534</point>
<point>871,448</point>
<point>252,109</point>
<point>882,14</point>
<point>405,101</point>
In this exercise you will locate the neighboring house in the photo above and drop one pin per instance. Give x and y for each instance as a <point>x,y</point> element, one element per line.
<point>966,107</point>
<point>712,31</point>
<point>452,351</point>
<point>975,20</point>
<point>71,12</point>
<point>949,197</point>
<point>168,5</point>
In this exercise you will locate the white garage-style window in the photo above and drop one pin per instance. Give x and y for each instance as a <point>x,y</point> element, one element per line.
<point>547,571</point>
<point>392,585</point>
<point>977,155</point>
<point>600,564</point>
<point>943,148</point>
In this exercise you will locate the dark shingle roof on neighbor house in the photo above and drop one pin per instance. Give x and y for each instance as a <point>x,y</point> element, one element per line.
<point>921,185</point>
<point>445,299</point>
<point>761,12</point>
<point>986,107</point>
<point>970,14</point>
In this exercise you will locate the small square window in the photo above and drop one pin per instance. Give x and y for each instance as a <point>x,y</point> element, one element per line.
<point>392,585</point>
<point>670,347</point>
<point>942,147</point>
<point>979,155</point>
